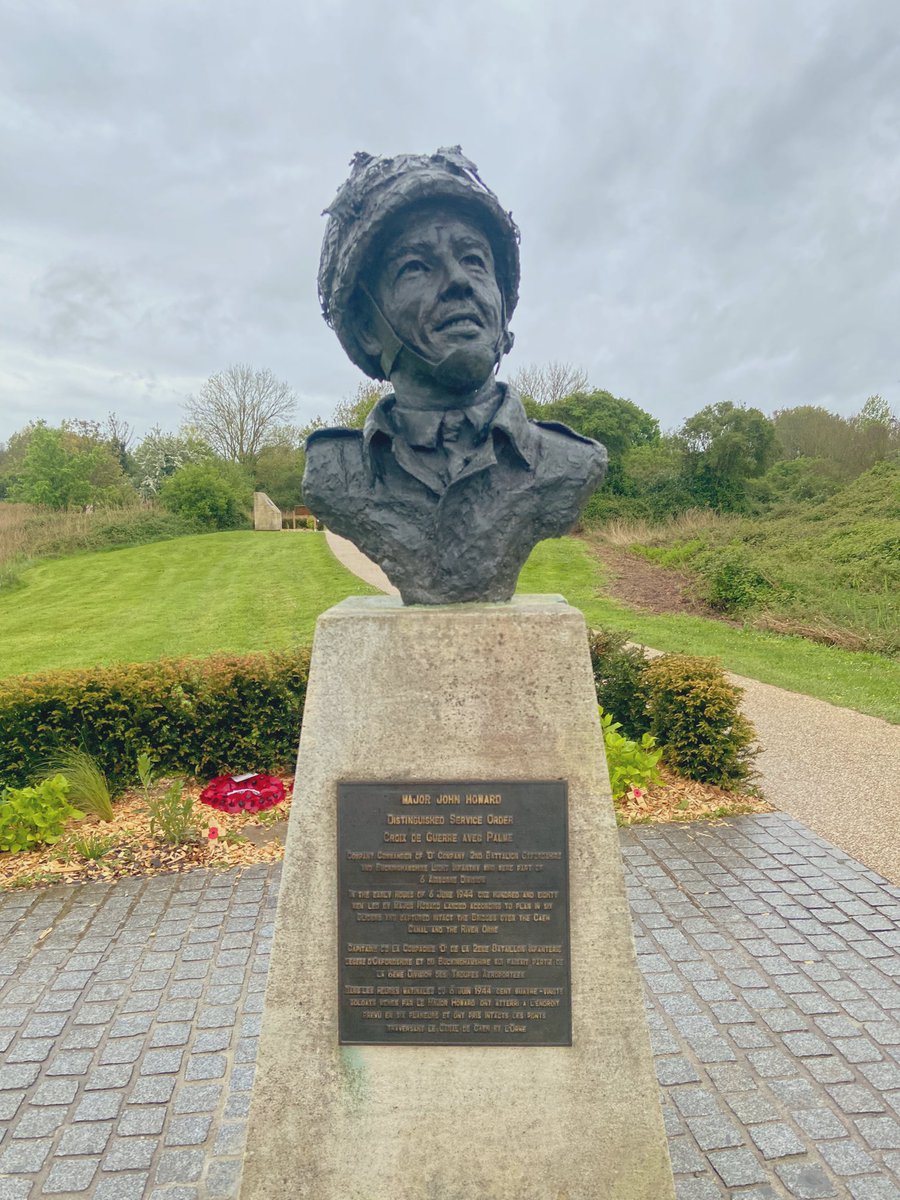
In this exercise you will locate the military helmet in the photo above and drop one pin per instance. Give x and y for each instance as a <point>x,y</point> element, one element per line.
<point>377,190</point>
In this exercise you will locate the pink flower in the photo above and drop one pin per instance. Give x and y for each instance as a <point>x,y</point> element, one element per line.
<point>213,833</point>
<point>637,793</point>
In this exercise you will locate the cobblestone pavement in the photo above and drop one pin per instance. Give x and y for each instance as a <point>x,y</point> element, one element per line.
<point>129,1015</point>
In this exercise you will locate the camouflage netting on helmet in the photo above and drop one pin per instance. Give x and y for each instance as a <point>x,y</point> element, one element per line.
<point>376,192</point>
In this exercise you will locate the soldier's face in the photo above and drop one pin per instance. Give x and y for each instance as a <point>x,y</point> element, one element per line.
<point>436,285</point>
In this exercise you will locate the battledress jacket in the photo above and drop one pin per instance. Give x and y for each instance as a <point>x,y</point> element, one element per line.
<point>466,539</point>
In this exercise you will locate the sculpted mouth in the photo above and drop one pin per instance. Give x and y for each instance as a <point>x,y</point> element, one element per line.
<point>464,320</point>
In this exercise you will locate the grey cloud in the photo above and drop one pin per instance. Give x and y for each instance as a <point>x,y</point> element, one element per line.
<point>708,193</point>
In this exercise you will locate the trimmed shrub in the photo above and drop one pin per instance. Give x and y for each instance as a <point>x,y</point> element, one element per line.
<point>694,714</point>
<point>201,717</point>
<point>620,681</point>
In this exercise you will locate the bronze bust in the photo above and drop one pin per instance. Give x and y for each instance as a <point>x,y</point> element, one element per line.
<point>449,485</point>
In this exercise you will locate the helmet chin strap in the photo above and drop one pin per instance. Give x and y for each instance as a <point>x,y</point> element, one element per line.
<point>454,369</point>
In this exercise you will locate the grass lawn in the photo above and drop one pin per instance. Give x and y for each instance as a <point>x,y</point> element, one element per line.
<point>869,683</point>
<point>230,592</point>
<point>237,592</point>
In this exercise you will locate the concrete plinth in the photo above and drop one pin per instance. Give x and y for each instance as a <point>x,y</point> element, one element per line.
<point>481,692</point>
<point>266,513</point>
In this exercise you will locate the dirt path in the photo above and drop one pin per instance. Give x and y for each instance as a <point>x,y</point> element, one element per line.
<point>836,770</point>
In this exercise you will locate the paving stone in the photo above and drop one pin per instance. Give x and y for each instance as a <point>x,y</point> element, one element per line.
<point>161,1062</point>
<point>54,1091</point>
<point>85,1139</point>
<point>222,1179</point>
<point>180,1166</point>
<point>21,1158</point>
<point>881,1133</point>
<point>141,1121</point>
<point>820,1123</point>
<point>130,1153</point>
<point>198,1098</point>
<point>715,1132</point>
<point>738,1168</point>
<point>70,1177</point>
<point>872,1189</point>
<point>854,1098</point>
<point>845,1158</point>
<point>776,1141</point>
<point>214,1066</point>
<point>188,1130</point>
<point>231,1139</point>
<point>98,1106</point>
<point>122,1186</point>
<point>15,1189</point>
<point>39,1122</point>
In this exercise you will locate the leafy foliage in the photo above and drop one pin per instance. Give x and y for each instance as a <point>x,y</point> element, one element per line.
<point>213,494</point>
<point>828,570</point>
<point>35,816</point>
<point>63,469</point>
<point>162,454</point>
<point>631,764</point>
<point>203,717</point>
<point>695,715</point>
<point>87,783</point>
<point>620,680</point>
<point>725,445</point>
<point>352,413</point>
<point>172,815</point>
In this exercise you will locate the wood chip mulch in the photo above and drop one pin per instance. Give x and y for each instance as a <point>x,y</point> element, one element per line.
<point>126,847</point>
<point>678,799</point>
<point>129,849</point>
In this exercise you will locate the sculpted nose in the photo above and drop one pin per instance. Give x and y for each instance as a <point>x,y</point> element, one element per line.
<point>455,282</point>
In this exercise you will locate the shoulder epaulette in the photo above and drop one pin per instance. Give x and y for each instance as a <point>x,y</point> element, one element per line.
<point>566,431</point>
<point>338,431</point>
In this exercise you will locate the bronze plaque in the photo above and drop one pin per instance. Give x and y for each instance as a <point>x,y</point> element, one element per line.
<point>453,913</point>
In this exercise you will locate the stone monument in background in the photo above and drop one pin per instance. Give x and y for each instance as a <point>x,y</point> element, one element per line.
<point>454,1010</point>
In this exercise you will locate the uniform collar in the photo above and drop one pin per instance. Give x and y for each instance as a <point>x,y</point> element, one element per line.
<point>420,428</point>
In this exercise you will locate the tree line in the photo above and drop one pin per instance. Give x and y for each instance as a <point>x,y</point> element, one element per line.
<point>239,435</point>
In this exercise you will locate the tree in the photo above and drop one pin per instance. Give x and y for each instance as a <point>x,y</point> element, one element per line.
<point>239,410</point>
<point>724,445</point>
<point>161,454</point>
<point>66,469</point>
<point>550,383</point>
<point>352,413</point>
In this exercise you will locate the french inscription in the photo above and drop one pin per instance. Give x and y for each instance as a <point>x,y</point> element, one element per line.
<point>453,913</point>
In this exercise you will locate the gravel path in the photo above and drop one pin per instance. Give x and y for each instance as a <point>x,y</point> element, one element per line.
<point>836,770</point>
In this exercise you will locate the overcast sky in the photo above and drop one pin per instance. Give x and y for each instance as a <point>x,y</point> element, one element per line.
<point>708,192</point>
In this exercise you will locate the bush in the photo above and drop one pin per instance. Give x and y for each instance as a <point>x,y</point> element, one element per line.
<point>620,681</point>
<point>694,715</point>
<point>216,495</point>
<point>35,816</point>
<point>200,717</point>
<point>733,584</point>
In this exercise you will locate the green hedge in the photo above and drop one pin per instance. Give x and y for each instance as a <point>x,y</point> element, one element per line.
<point>199,717</point>
<point>205,717</point>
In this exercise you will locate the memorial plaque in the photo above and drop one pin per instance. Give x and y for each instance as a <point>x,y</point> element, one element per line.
<point>453,913</point>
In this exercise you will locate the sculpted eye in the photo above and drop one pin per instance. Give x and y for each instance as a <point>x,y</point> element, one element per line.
<point>412,266</point>
<point>475,260</point>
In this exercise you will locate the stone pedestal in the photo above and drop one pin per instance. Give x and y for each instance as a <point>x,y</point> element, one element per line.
<point>481,692</point>
<point>266,513</point>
